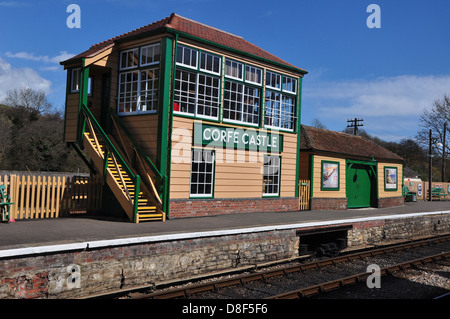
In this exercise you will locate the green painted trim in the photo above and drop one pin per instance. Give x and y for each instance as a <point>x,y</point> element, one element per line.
<point>164,118</point>
<point>298,130</point>
<point>352,161</point>
<point>170,129</point>
<point>194,117</point>
<point>136,197</point>
<point>396,176</point>
<point>65,101</point>
<point>321,175</point>
<point>378,182</point>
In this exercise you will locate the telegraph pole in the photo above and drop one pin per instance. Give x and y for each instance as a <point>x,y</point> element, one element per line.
<point>355,123</point>
<point>443,154</point>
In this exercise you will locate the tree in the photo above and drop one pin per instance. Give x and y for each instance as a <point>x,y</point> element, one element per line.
<point>436,119</point>
<point>318,123</point>
<point>28,99</point>
<point>33,135</point>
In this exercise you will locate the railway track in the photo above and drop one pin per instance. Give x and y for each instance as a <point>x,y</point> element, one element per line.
<point>303,280</point>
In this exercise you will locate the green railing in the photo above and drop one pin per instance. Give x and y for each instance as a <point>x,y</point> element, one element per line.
<point>160,180</point>
<point>84,115</point>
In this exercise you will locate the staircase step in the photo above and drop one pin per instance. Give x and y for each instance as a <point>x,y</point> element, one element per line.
<point>141,208</point>
<point>149,217</point>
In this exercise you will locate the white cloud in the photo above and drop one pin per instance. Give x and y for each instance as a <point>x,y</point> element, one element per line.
<point>12,78</point>
<point>400,95</point>
<point>12,4</point>
<point>63,55</point>
<point>390,106</point>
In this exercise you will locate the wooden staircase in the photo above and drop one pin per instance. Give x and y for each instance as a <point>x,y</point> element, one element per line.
<point>122,182</point>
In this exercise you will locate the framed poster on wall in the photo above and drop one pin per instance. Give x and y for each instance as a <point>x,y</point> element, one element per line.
<point>330,176</point>
<point>390,178</point>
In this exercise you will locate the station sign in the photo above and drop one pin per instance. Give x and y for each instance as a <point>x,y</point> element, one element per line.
<point>238,138</point>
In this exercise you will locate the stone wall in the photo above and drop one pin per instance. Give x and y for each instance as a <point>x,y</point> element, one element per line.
<point>82,273</point>
<point>386,230</point>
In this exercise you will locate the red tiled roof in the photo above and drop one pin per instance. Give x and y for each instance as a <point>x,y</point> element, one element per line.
<point>193,28</point>
<point>316,139</point>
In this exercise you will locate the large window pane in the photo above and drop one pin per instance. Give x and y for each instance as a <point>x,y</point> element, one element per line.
<point>279,110</point>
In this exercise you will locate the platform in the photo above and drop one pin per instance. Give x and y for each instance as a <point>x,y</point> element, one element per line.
<point>50,235</point>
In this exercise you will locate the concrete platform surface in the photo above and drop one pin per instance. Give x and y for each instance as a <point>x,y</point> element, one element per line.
<point>64,231</point>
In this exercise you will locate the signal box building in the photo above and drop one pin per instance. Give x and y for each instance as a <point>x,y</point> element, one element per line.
<point>348,171</point>
<point>182,119</point>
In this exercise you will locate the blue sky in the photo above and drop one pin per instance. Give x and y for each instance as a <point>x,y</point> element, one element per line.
<point>387,75</point>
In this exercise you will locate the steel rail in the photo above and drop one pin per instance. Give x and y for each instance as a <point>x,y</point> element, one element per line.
<point>345,281</point>
<point>187,291</point>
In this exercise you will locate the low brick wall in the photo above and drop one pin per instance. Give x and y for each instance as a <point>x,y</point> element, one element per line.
<point>328,203</point>
<point>209,207</point>
<point>384,202</point>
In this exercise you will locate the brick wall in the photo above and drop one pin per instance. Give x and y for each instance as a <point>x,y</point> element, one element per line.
<point>384,202</point>
<point>209,207</point>
<point>328,203</point>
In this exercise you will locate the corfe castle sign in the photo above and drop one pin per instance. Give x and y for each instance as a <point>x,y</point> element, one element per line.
<point>230,137</point>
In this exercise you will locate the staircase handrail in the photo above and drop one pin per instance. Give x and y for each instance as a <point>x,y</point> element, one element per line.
<point>108,142</point>
<point>137,146</point>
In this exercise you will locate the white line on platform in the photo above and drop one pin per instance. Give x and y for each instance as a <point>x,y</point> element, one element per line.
<point>183,236</point>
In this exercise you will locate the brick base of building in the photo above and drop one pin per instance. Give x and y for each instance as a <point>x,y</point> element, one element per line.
<point>209,207</point>
<point>328,203</point>
<point>390,201</point>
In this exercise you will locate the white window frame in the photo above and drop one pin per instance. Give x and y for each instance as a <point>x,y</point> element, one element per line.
<point>202,99</point>
<point>213,57</point>
<point>195,153</point>
<point>278,113</point>
<point>124,53</point>
<point>196,97</point>
<point>249,69</point>
<point>139,93</point>
<point>269,76</point>
<point>293,81</point>
<point>243,104</point>
<point>233,64</point>
<point>75,78</point>
<point>153,48</point>
<point>184,49</point>
<point>268,171</point>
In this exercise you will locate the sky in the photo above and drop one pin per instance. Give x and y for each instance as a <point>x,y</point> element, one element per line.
<point>386,75</point>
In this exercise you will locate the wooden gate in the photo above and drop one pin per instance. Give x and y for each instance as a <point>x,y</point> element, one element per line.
<point>41,196</point>
<point>303,194</point>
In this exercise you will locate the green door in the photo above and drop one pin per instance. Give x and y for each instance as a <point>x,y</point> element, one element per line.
<point>360,185</point>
